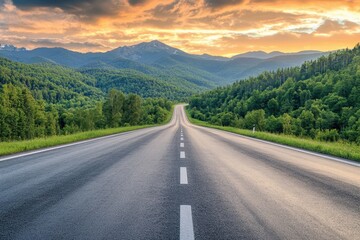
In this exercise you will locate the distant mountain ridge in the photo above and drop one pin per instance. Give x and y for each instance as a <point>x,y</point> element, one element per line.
<point>134,52</point>
<point>158,59</point>
<point>264,55</point>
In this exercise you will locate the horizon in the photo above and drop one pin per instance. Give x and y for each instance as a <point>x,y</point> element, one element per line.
<point>199,54</point>
<point>219,28</point>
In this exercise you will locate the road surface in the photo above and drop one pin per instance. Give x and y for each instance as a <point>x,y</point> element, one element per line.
<point>177,181</point>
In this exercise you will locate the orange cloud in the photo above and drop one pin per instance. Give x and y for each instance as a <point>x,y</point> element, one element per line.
<point>224,27</point>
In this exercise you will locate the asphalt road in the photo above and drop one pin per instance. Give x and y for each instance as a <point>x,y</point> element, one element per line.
<point>178,181</point>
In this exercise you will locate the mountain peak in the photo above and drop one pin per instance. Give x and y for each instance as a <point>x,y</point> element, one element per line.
<point>9,47</point>
<point>155,44</point>
<point>147,52</point>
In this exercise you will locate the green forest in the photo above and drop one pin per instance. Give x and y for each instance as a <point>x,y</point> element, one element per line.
<point>320,100</point>
<point>24,117</point>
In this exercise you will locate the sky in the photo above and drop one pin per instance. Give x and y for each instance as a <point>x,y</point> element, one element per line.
<point>217,27</point>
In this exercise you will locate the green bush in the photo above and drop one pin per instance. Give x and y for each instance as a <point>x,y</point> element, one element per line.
<point>328,135</point>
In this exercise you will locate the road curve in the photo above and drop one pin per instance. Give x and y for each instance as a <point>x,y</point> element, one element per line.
<point>177,181</point>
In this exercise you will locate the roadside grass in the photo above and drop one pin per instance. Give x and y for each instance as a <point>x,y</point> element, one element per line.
<point>337,149</point>
<point>38,143</point>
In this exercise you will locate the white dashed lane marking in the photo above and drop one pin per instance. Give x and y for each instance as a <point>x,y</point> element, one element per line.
<point>183,176</point>
<point>186,223</point>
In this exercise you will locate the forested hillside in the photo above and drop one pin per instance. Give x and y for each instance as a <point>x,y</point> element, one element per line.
<point>73,88</point>
<point>51,83</point>
<point>320,99</point>
<point>45,100</point>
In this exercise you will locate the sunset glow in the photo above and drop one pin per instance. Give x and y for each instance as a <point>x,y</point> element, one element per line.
<point>224,27</point>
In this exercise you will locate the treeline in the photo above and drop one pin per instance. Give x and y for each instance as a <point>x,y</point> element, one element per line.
<point>24,117</point>
<point>320,99</point>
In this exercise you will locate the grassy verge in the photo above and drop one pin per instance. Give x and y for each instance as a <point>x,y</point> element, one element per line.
<point>337,149</point>
<point>26,145</point>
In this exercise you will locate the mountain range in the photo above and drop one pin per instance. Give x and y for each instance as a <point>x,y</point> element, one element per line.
<point>166,64</point>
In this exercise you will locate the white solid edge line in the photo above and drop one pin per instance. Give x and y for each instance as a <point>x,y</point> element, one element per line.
<point>66,145</point>
<point>181,145</point>
<point>183,175</point>
<point>349,162</point>
<point>182,154</point>
<point>186,223</point>
<point>308,152</point>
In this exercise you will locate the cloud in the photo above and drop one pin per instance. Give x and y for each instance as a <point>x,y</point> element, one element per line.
<point>248,20</point>
<point>221,3</point>
<point>136,2</point>
<point>87,9</point>
<point>57,43</point>
<point>330,26</point>
<point>164,10</point>
<point>262,1</point>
